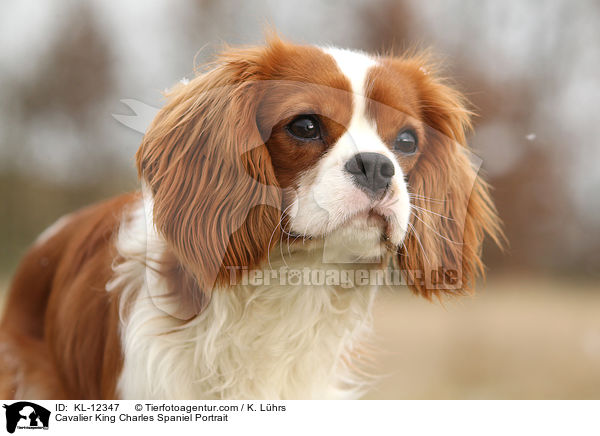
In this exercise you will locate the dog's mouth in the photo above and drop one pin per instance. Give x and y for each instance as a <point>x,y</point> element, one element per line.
<point>373,218</point>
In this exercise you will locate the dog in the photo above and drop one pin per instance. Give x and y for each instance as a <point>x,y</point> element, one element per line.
<point>274,165</point>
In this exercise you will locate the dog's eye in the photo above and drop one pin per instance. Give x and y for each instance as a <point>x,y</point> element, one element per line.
<point>406,142</point>
<point>305,127</point>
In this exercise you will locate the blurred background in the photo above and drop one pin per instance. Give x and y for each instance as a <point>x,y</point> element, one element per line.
<point>530,69</point>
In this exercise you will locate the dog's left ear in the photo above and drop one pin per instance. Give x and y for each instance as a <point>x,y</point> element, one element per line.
<point>452,210</point>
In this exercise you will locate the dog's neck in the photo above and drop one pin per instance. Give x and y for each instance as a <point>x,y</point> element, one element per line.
<point>275,338</point>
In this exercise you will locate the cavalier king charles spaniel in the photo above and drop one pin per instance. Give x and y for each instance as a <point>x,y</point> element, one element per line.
<point>280,188</point>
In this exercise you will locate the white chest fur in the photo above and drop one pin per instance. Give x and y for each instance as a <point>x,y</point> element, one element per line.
<point>261,342</point>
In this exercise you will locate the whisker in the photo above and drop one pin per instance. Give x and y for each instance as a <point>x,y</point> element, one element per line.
<point>422,197</point>
<point>405,250</point>
<point>283,231</point>
<point>419,241</point>
<point>280,246</point>
<point>437,233</point>
<point>432,212</point>
<point>269,247</point>
<point>288,244</point>
<point>273,234</point>
<point>306,229</point>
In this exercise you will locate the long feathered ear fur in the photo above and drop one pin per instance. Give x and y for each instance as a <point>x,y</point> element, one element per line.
<point>452,210</point>
<point>216,200</point>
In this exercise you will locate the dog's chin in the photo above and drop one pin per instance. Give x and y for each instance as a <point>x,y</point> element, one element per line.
<point>366,237</point>
<point>370,219</point>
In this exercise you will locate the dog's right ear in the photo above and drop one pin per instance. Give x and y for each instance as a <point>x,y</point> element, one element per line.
<point>216,200</point>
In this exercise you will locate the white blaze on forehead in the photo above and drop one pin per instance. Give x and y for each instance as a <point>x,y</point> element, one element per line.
<point>355,66</point>
<point>361,134</point>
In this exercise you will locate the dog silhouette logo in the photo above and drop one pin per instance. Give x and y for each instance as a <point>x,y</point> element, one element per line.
<point>26,415</point>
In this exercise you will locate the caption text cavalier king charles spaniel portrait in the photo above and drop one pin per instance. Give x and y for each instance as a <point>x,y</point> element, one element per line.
<point>280,188</point>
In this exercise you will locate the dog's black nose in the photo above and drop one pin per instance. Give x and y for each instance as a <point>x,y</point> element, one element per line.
<point>371,171</point>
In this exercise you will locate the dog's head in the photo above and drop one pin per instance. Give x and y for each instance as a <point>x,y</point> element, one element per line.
<point>300,143</point>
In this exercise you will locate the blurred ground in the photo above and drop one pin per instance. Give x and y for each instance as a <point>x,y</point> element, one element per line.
<point>518,338</point>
